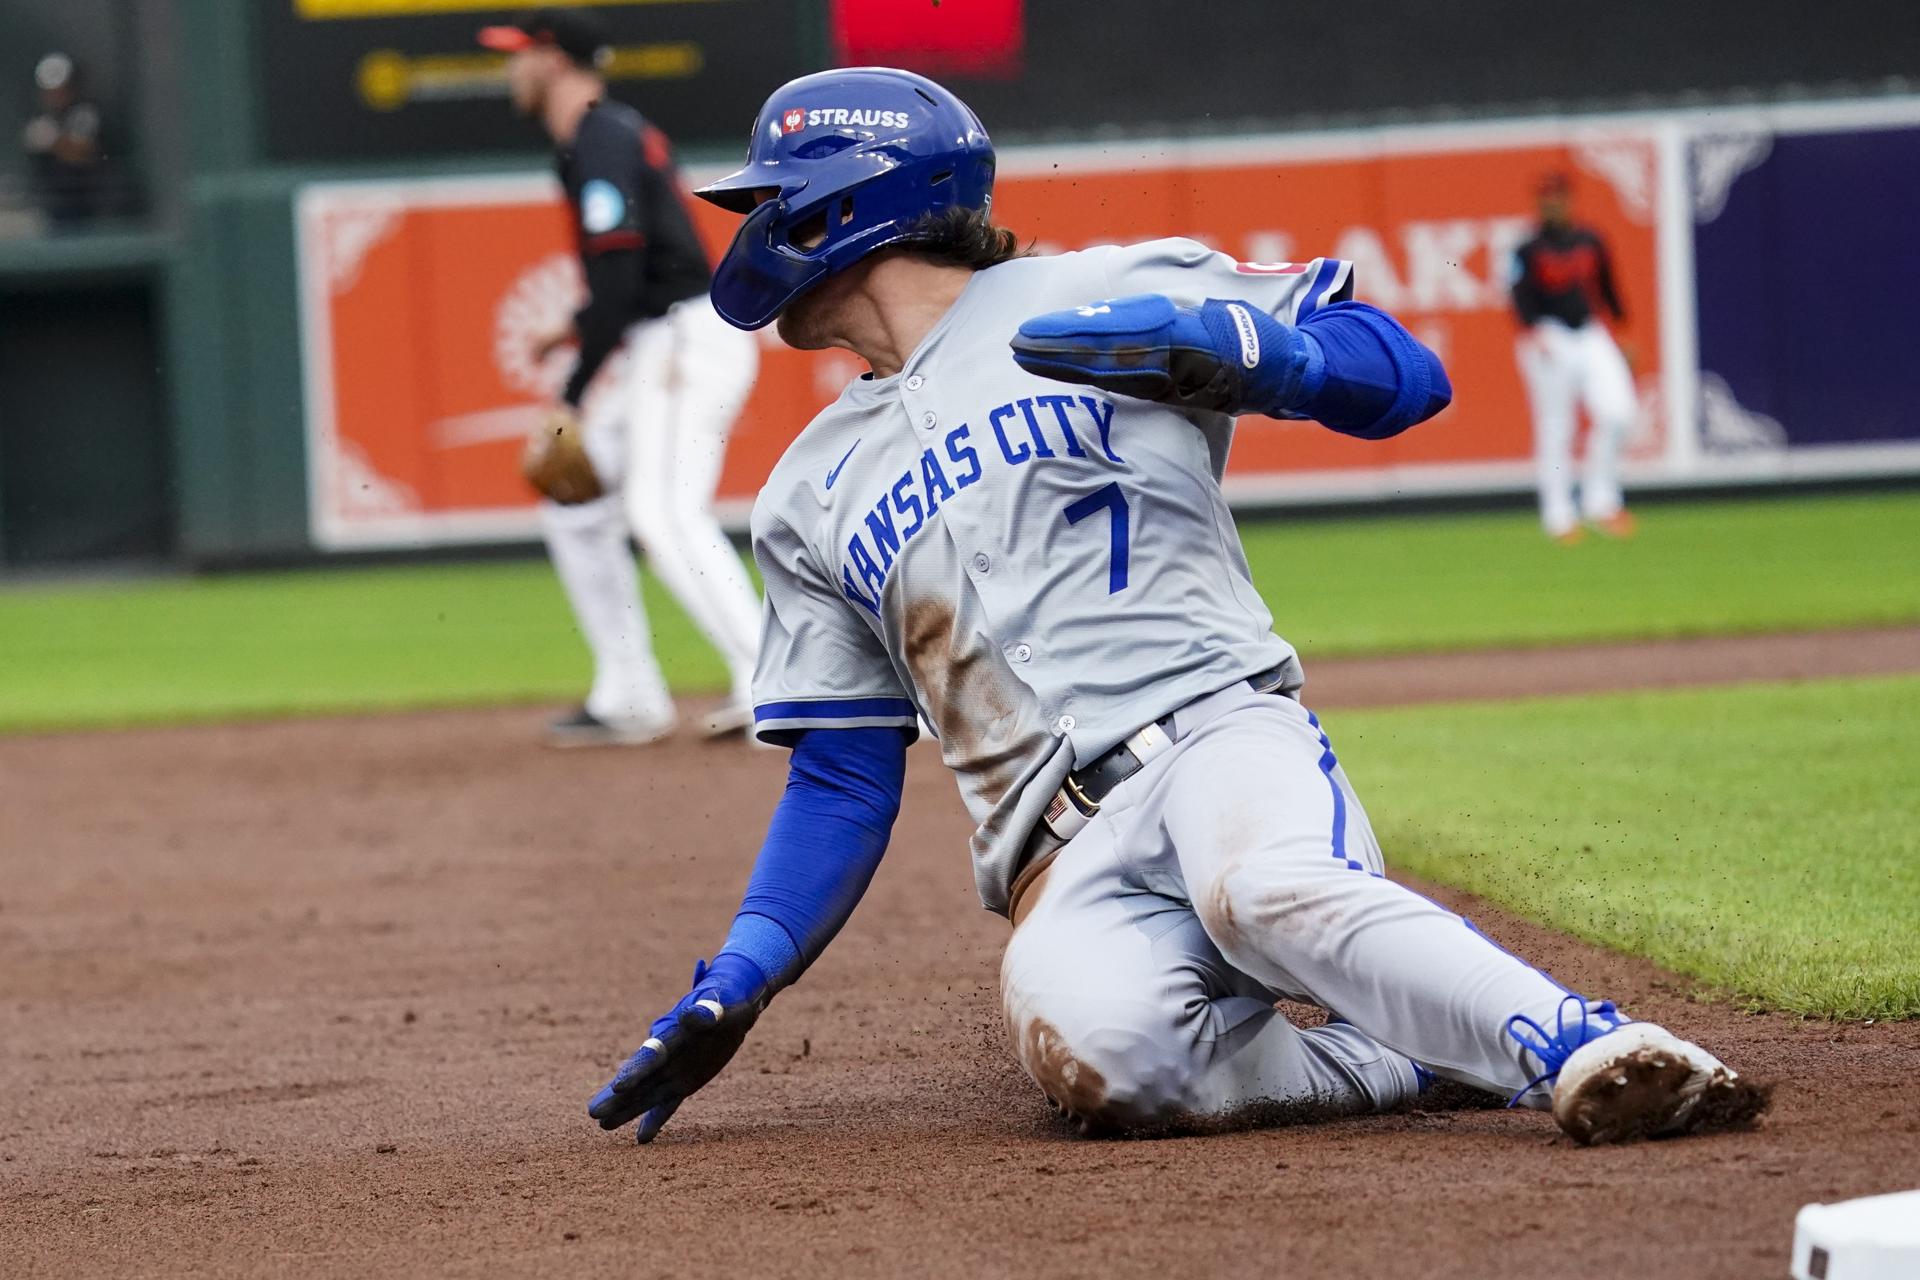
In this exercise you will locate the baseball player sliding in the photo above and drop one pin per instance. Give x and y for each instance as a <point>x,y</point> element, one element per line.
<point>1013,527</point>
<point>1567,357</point>
<point>659,441</point>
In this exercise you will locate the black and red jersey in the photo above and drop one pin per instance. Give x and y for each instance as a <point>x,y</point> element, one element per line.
<point>1566,274</point>
<point>638,248</point>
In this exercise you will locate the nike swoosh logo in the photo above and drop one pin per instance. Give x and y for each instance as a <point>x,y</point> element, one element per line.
<point>835,473</point>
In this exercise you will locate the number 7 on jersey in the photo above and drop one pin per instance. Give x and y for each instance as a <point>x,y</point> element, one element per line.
<point>1107,498</point>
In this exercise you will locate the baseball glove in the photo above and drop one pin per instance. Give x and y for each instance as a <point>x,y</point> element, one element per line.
<point>556,462</point>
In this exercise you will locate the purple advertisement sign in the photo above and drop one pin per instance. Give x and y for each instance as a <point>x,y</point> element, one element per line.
<point>1807,254</point>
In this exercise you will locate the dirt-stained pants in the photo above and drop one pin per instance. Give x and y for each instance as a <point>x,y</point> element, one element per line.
<point>1235,869</point>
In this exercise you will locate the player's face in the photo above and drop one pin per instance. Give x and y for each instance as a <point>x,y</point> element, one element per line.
<point>527,80</point>
<point>1555,207</point>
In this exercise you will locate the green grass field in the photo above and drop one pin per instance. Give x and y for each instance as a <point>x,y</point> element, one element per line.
<point>1760,838</point>
<point>328,640</point>
<point>1464,582</point>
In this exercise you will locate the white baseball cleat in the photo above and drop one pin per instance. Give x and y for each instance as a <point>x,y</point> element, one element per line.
<point>1616,1080</point>
<point>1642,1081</point>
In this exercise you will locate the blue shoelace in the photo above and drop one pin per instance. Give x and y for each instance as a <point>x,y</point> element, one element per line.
<point>1554,1050</point>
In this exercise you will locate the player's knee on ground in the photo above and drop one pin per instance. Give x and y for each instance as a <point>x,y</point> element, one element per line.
<point>1111,1080</point>
<point>1108,1064</point>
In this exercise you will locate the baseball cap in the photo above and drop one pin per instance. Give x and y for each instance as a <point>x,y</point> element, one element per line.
<point>55,71</point>
<point>576,34</point>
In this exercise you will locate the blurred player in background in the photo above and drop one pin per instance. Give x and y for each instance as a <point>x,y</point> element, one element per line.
<point>1562,277</point>
<point>657,440</point>
<point>62,143</point>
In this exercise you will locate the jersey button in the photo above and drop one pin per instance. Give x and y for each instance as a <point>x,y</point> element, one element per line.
<point>915,382</point>
<point>1064,724</point>
<point>928,420</point>
<point>1022,653</point>
<point>980,562</point>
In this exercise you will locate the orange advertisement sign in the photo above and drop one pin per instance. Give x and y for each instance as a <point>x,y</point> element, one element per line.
<point>423,303</point>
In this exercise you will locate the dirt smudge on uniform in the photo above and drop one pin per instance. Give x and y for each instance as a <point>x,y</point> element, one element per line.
<point>970,695</point>
<point>1242,917</point>
<point>1241,832</point>
<point>1245,912</point>
<point>1075,1088</point>
<point>1219,915</point>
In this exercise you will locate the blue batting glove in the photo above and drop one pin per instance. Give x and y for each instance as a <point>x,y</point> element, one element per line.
<point>686,1048</point>
<point>1228,357</point>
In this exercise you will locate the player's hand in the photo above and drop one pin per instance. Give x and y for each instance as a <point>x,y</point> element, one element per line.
<point>1149,347</point>
<point>686,1048</point>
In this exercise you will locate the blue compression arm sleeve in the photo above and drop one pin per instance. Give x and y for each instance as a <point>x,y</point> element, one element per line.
<point>822,847</point>
<point>1348,366</point>
<point>1375,379</point>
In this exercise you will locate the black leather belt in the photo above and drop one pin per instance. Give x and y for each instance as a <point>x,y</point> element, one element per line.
<point>1079,797</point>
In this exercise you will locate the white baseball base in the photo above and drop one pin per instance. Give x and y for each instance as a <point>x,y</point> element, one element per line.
<point>1873,1238</point>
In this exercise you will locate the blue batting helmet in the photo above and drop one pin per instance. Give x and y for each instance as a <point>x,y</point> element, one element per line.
<point>841,163</point>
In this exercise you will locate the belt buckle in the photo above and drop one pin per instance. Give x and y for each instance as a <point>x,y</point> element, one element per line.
<point>1085,803</point>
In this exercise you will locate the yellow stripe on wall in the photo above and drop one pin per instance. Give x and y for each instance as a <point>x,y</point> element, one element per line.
<point>317,10</point>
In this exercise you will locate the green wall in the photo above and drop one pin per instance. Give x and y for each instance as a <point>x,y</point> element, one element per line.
<point>231,300</point>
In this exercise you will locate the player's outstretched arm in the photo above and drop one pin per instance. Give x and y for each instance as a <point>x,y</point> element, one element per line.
<point>1348,366</point>
<point>825,841</point>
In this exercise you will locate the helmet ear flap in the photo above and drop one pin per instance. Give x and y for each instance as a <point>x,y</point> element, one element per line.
<point>759,275</point>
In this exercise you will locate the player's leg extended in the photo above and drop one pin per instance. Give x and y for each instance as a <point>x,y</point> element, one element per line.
<point>1124,1012</point>
<point>1606,388</point>
<point>588,546</point>
<point>1285,874</point>
<point>692,375</point>
<point>1542,356</point>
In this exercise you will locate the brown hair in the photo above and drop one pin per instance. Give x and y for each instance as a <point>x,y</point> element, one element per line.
<point>958,237</point>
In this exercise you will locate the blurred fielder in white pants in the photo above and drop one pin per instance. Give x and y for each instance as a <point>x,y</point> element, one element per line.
<point>656,441</point>
<point>1563,276</point>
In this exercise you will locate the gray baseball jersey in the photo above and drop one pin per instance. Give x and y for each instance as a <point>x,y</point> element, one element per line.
<point>1037,570</point>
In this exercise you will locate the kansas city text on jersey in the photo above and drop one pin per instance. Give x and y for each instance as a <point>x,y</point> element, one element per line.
<point>1032,428</point>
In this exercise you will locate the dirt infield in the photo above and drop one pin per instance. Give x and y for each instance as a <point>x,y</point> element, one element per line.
<point>1607,668</point>
<point>329,997</point>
